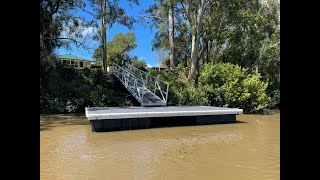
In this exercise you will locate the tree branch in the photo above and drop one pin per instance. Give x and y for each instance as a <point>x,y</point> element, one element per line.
<point>206,4</point>
<point>94,15</point>
<point>187,9</point>
<point>71,39</point>
<point>274,44</point>
<point>156,17</point>
<point>56,7</point>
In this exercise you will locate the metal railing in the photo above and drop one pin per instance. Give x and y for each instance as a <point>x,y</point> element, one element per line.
<point>139,82</point>
<point>158,86</point>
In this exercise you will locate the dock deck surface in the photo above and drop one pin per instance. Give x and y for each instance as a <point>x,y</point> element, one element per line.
<point>102,113</point>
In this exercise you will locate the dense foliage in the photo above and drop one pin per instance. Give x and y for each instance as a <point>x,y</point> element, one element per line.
<point>118,48</point>
<point>222,84</point>
<point>230,85</point>
<point>71,90</point>
<point>241,32</point>
<point>140,64</point>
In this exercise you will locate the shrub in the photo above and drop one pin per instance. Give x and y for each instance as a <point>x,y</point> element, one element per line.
<point>275,99</point>
<point>57,105</point>
<point>181,90</point>
<point>230,85</point>
<point>71,90</point>
<point>140,64</point>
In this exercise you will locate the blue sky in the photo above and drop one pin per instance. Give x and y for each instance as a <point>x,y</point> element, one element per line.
<point>144,34</point>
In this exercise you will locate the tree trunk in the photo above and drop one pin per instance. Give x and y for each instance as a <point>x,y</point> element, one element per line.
<point>197,74</point>
<point>194,56</point>
<point>104,35</point>
<point>195,32</point>
<point>171,34</point>
<point>214,53</point>
<point>207,52</point>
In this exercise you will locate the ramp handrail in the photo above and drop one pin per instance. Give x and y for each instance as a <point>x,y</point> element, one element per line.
<point>125,80</point>
<point>151,82</point>
<point>141,80</point>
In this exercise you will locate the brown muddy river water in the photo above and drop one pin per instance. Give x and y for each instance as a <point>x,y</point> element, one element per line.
<point>240,151</point>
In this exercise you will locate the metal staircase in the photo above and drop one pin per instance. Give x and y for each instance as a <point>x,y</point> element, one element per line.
<point>147,89</point>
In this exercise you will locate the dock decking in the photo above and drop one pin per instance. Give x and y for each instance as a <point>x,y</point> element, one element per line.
<point>98,113</point>
<point>123,118</point>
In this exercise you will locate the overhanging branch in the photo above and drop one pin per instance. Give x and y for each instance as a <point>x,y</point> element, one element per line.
<point>94,15</point>
<point>78,43</point>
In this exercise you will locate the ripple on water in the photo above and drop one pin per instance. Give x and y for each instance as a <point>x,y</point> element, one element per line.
<point>249,150</point>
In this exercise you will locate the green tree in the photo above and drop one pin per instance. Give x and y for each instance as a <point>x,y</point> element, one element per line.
<point>140,64</point>
<point>56,17</point>
<point>162,15</point>
<point>118,48</point>
<point>195,10</point>
<point>111,11</point>
<point>181,91</point>
<point>171,4</point>
<point>230,85</point>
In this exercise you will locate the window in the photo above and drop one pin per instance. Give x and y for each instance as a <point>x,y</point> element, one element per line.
<point>72,63</point>
<point>75,63</point>
<point>66,62</point>
<point>81,64</point>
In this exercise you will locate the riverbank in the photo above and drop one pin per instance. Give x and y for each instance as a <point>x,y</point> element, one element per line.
<point>70,90</point>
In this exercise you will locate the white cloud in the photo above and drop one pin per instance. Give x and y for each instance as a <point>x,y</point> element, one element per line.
<point>80,30</point>
<point>89,31</point>
<point>82,34</point>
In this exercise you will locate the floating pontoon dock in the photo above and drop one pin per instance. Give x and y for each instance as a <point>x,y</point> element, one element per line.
<point>124,118</point>
<point>152,94</point>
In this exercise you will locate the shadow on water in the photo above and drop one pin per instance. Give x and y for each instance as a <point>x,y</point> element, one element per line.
<point>57,120</point>
<point>266,112</point>
<point>48,121</point>
<point>241,121</point>
<point>182,121</point>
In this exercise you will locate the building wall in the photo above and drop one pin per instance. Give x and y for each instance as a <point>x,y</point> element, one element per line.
<point>86,64</point>
<point>68,63</point>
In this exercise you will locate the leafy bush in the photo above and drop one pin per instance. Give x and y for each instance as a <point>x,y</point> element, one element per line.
<point>71,90</point>
<point>230,85</point>
<point>219,85</point>
<point>139,64</point>
<point>275,99</point>
<point>57,105</point>
<point>181,91</point>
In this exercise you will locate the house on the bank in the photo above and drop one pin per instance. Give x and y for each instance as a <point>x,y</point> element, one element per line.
<point>77,62</point>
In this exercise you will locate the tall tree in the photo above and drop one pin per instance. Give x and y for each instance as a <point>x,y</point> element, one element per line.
<point>171,32</point>
<point>55,18</point>
<point>195,10</point>
<point>110,12</point>
<point>104,34</point>
<point>59,26</point>
<point>162,16</point>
